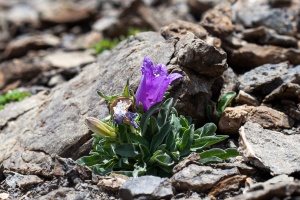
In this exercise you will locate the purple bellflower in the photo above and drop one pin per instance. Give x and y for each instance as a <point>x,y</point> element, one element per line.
<point>154,83</point>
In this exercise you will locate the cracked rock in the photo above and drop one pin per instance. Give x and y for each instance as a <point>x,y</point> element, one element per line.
<point>228,185</point>
<point>200,178</point>
<point>279,187</point>
<point>180,28</point>
<point>195,54</point>
<point>258,146</point>
<point>218,21</point>
<point>146,187</point>
<point>14,180</point>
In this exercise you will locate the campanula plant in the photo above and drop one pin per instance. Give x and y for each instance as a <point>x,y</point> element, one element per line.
<point>145,135</point>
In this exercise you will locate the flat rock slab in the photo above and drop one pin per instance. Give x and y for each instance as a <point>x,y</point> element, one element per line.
<point>69,59</point>
<point>234,117</point>
<point>14,180</point>
<point>41,127</point>
<point>200,178</point>
<point>252,55</point>
<point>146,187</point>
<point>279,187</point>
<point>23,44</point>
<point>263,79</point>
<point>271,150</point>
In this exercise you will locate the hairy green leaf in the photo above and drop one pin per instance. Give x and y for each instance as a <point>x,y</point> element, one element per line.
<point>126,150</point>
<point>126,90</point>
<point>159,137</point>
<point>146,116</point>
<point>186,141</point>
<point>164,112</point>
<point>164,160</point>
<point>208,129</point>
<point>224,101</point>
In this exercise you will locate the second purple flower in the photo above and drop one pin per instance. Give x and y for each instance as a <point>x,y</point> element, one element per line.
<point>154,83</point>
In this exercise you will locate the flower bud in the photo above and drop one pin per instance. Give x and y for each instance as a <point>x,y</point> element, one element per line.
<point>99,127</point>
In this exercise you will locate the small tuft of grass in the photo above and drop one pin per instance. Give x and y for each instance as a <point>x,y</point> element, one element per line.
<point>108,44</point>
<point>11,96</point>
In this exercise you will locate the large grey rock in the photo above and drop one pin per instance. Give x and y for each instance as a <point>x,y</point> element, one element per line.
<point>146,187</point>
<point>270,150</point>
<point>200,178</point>
<point>53,124</point>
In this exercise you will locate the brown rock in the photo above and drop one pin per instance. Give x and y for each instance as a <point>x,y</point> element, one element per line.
<point>21,181</point>
<point>21,45</point>
<point>197,55</point>
<point>264,36</point>
<point>279,187</point>
<point>63,12</point>
<point>218,21</point>
<point>250,56</point>
<point>285,91</point>
<point>113,182</point>
<point>16,70</point>
<point>179,28</point>
<point>228,185</point>
<point>234,117</point>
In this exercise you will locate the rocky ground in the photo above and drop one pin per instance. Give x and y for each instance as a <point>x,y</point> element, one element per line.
<point>250,47</point>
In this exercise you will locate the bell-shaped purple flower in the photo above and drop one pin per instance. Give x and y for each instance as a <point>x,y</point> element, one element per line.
<point>154,83</point>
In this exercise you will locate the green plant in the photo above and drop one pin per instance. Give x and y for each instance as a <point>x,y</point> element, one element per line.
<point>12,95</point>
<point>105,44</point>
<point>215,113</point>
<point>162,140</point>
<point>145,135</point>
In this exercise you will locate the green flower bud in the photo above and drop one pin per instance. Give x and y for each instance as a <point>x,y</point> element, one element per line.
<point>99,127</point>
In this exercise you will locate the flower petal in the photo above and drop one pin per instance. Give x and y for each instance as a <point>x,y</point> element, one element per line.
<point>154,83</point>
<point>173,77</point>
<point>131,116</point>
